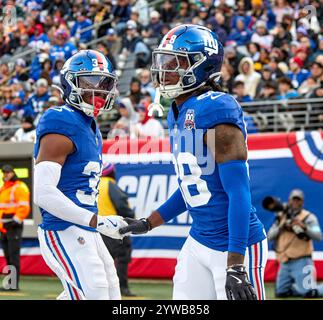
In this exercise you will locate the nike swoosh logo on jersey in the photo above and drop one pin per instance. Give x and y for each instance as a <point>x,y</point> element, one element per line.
<point>60,109</point>
<point>239,280</point>
<point>114,224</point>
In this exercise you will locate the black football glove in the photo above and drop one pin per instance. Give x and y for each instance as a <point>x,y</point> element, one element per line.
<point>238,286</point>
<point>135,226</point>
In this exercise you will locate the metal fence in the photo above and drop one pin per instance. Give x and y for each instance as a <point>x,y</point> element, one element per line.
<point>286,115</point>
<point>268,116</point>
<point>7,131</point>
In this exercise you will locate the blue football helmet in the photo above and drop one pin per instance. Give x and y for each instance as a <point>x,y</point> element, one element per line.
<point>89,82</point>
<point>190,53</point>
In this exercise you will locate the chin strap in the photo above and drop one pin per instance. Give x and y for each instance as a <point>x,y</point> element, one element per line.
<point>156,106</point>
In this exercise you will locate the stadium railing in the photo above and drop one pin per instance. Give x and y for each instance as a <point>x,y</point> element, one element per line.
<point>269,116</point>
<point>286,115</point>
<point>4,128</point>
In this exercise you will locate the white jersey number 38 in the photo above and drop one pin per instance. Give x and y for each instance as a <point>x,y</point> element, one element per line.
<point>191,179</point>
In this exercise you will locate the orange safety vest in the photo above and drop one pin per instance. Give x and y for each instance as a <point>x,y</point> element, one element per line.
<point>14,201</point>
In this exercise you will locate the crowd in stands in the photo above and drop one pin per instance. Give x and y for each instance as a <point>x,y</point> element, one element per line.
<point>273,51</point>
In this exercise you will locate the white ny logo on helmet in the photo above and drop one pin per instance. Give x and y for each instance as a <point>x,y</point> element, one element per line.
<point>211,45</point>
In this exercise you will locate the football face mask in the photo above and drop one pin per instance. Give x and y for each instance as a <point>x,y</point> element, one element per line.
<point>95,92</point>
<point>171,72</point>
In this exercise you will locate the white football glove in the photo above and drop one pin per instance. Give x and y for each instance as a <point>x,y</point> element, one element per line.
<point>110,225</point>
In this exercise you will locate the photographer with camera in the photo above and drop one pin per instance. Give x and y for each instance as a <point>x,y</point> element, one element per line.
<point>292,232</point>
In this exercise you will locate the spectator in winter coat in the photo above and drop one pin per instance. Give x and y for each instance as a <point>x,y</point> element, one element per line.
<point>268,91</point>
<point>81,23</point>
<point>241,35</point>
<point>39,38</point>
<point>285,89</point>
<point>129,117</point>
<point>62,48</point>
<point>239,92</point>
<point>27,132</point>
<point>36,102</point>
<point>297,74</point>
<point>248,76</point>
<point>121,13</point>
<point>154,27</point>
<point>261,36</point>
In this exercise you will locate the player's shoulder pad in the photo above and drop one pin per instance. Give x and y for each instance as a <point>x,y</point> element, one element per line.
<point>214,108</point>
<point>61,120</point>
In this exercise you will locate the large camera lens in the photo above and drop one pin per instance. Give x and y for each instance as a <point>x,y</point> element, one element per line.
<point>272,204</point>
<point>268,202</point>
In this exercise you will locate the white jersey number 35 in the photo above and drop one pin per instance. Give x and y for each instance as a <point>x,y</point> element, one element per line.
<point>194,178</point>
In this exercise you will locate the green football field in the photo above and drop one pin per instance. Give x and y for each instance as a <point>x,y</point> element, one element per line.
<point>48,288</point>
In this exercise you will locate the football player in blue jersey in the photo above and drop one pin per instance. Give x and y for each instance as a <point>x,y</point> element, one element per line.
<point>225,253</point>
<point>66,176</point>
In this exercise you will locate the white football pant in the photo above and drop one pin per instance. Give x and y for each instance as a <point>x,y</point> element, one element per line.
<point>200,273</point>
<point>82,262</point>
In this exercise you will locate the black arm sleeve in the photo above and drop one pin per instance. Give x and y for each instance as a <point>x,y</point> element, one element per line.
<point>120,201</point>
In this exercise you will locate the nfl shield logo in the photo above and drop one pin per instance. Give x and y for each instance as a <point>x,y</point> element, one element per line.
<point>189,123</point>
<point>81,240</point>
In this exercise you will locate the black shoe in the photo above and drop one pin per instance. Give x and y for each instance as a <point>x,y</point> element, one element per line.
<point>127,293</point>
<point>312,294</point>
<point>9,290</point>
<point>286,294</point>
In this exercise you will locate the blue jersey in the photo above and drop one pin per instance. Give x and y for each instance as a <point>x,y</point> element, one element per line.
<point>35,104</point>
<point>197,172</point>
<point>82,169</point>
